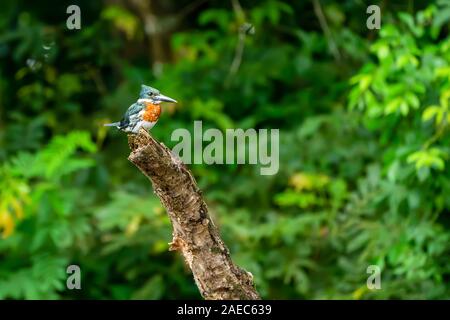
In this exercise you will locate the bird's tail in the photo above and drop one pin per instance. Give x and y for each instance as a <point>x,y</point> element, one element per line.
<point>114,124</point>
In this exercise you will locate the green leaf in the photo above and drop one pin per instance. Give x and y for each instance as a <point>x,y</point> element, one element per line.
<point>430,112</point>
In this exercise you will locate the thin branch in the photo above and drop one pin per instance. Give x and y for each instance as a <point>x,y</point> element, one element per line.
<point>194,233</point>
<point>239,51</point>
<point>237,57</point>
<point>324,25</point>
<point>437,135</point>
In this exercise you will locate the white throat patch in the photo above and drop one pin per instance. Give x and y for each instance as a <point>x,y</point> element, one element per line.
<point>146,101</point>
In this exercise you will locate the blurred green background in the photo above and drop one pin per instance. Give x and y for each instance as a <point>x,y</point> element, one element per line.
<point>364,145</point>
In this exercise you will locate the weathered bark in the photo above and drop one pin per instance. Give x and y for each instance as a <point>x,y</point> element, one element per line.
<point>194,233</point>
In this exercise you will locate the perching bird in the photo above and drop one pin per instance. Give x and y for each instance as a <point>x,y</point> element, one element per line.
<point>144,113</point>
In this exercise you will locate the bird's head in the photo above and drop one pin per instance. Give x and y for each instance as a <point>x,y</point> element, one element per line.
<point>152,95</point>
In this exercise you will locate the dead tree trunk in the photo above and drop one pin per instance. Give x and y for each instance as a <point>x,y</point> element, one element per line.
<point>194,233</point>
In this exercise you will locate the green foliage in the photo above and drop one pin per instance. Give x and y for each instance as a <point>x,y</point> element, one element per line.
<point>409,82</point>
<point>363,118</point>
<point>52,217</point>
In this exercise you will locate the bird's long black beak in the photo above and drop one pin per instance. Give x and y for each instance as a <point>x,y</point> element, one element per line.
<point>163,98</point>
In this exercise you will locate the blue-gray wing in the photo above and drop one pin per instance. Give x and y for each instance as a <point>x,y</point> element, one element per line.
<point>131,116</point>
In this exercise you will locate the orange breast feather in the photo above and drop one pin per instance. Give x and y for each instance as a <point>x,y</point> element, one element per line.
<point>152,112</point>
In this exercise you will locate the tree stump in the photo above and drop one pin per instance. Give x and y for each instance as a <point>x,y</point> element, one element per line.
<point>194,233</point>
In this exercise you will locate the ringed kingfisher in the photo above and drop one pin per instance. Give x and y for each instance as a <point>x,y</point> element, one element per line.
<point>144,113</point>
